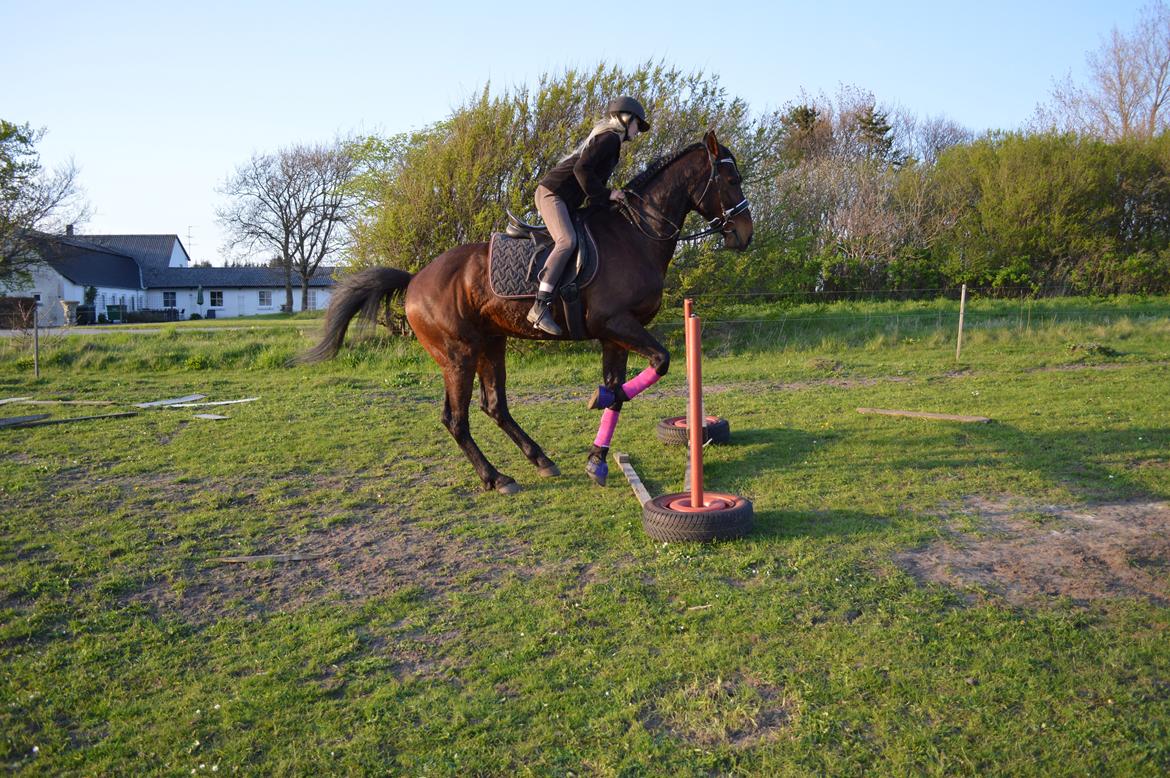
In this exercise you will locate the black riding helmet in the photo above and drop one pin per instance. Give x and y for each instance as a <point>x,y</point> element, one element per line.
<point>631,106</point>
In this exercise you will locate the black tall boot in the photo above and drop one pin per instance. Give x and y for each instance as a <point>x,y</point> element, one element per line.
<point>541,314</point>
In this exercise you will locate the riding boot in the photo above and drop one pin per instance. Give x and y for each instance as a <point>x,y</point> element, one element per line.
<point>541,314</point>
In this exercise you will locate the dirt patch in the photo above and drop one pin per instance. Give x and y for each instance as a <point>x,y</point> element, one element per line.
<point>1096,366</point>
<point>740,712</point>
<point>357,562</point>
<point>1025,552</point>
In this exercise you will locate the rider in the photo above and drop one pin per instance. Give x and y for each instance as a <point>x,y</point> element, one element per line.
<point>583,174</point>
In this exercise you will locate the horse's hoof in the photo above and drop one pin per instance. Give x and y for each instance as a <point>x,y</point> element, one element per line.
<point>550,471</point>
<point>598,471</point>
<point>509,488</point>
<point>602,398</point>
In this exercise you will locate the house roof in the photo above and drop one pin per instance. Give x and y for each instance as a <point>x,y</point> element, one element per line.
<point>153,251</point>
<point>142,262</point>
<point>88,265</point>
<point>232,278</point>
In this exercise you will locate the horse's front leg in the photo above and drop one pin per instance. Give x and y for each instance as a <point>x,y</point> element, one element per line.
<point>613,369</point>
<point>622,335</point>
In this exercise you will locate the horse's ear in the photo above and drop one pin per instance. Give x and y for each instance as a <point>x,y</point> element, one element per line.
<point>712,143</point>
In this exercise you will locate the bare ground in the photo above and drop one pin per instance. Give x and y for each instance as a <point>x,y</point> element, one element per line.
<point>357,562</point>
<point>1026,552</point>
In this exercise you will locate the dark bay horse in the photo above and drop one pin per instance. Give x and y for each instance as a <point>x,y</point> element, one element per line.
<point>465,327</point>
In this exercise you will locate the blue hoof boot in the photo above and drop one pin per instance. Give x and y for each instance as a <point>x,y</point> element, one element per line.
<point>603,398</point>
<point>598,470</point>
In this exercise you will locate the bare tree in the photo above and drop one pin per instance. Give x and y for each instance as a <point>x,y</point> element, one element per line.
<point>33,201</point>
<point>295,204</point>
<point>843,158</point>
<point>1129,84</point>
<point>933,135</point>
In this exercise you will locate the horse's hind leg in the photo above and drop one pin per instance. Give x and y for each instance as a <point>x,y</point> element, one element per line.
<point>458,374</point>
<point>493,400</point>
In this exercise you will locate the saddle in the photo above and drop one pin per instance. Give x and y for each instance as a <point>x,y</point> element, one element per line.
<point>517,255</point>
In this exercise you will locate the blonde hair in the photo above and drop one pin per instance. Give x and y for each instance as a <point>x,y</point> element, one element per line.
<point>617,122</point>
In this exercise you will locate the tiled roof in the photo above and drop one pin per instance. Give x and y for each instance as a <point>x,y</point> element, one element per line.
<point>151,251</point>
<point>141,262</point>
<point>90,265</point>
<point>231,278</point>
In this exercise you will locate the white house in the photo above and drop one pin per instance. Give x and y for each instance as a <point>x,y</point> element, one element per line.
<point>232,291</point>
<point>69,267</point>
<point>153,272</point>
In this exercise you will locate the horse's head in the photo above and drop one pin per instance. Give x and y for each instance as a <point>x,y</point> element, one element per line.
<point>722,201</point>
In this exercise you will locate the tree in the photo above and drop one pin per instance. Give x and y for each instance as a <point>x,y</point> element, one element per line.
<point>1056,211</point>
<point>428,191</point>
<point>32,200</point>
<point>842,160</point>
<point>1128,91</point>
<point>296,204</point>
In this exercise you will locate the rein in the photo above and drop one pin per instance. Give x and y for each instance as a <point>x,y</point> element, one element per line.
<point>718,225</point>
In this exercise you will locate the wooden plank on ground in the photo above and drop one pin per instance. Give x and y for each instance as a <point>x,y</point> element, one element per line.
<point>220,402</point>
<point>211,416</point>
<point>7,400</point>
<point>67,402</point>
<point>157,403</point>
<point>70,420</point>
<point>16,421</point>
<point>926,415</point>
<point>623,461</point>
<point>236,560</point>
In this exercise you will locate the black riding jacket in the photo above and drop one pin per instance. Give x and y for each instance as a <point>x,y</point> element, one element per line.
<point>586,174</point>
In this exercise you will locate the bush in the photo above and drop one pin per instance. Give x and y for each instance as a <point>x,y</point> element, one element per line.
<point>195,317</point>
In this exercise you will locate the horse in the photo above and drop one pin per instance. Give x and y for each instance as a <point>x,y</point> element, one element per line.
<point>465,327</point>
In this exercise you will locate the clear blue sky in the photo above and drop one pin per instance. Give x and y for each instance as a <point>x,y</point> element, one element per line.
<point>157,102</point>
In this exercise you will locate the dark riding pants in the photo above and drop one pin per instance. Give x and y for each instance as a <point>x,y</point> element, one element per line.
<point>560,226</point>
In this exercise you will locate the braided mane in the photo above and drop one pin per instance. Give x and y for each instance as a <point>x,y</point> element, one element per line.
<point>638,182</point>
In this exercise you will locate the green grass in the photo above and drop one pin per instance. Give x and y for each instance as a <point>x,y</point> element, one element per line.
<point>449,631</point>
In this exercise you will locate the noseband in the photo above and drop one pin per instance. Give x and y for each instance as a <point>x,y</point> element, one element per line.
<point>720,224</point>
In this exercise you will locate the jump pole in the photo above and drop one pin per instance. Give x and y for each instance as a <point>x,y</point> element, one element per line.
<point>692,336</point>
<point>714,429</point>
<point>696,515</point>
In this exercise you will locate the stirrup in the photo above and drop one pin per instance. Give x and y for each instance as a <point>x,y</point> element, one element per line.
<point>540,317</point>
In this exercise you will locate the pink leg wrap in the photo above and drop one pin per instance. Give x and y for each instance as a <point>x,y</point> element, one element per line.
<point>609,420</point>
<point>641,382</point>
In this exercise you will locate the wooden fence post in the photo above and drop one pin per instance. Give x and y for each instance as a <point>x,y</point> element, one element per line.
<point>36,341</point>
<point>962,313</point>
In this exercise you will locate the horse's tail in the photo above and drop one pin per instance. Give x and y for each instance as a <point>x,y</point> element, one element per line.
<point>362,293</point>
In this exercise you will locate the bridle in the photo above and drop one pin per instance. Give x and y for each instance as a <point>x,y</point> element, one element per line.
<point>718,225</point>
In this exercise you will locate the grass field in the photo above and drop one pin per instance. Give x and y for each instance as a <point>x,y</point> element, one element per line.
<point>918,597</point>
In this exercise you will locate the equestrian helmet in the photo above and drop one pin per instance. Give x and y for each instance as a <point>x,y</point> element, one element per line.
<point>631,106</point>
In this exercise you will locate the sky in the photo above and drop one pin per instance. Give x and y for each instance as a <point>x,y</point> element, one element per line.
<point>158,102</point>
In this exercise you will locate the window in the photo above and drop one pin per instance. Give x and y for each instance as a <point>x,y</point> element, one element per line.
<point>217,299</point>
<point>265,298</point>
<point>312,299</point>
<point>169,300</point>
